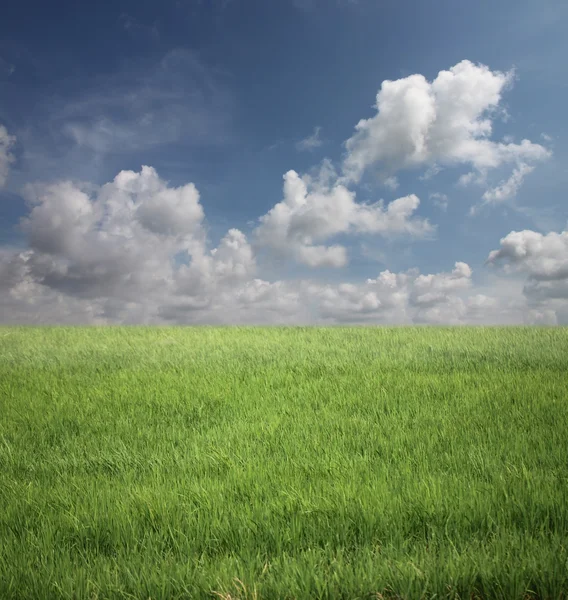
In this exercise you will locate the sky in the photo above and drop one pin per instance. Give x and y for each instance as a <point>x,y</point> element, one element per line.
<point>287,162</point>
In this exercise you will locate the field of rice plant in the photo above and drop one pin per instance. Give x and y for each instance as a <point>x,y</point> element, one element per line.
<point>267,463</point>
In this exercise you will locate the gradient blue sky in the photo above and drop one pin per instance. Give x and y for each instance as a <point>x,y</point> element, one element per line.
<point>220,94</point>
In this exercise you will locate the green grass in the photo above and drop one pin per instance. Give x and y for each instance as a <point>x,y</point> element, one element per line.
<point>140,462</point>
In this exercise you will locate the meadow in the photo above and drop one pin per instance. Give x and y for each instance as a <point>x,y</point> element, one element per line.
<point>286,462</point>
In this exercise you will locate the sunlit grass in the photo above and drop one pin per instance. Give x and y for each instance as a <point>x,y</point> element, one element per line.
<point>140,462</point>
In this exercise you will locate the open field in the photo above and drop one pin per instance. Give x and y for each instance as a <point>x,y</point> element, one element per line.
<point>308,463</point>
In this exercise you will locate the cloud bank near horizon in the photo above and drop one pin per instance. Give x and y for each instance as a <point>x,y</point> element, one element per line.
<point>136,250</point>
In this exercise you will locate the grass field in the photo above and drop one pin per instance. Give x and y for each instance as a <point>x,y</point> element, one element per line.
<point>140,462</point>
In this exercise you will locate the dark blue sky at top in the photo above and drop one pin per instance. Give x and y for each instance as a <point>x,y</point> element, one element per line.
<point>219,93</point>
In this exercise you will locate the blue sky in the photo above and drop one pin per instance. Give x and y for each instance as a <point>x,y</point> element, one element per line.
<point>229,96</point>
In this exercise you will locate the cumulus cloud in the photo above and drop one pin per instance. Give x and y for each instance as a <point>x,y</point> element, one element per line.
<point>448,121</point>
<point>6,157</point>
<point>314,210</point>
<point>230,264</point>
<point>136,250</point>
<point>544,259</point>
<point>397,298</point>
<point>311,142</point>
<point>92,259</point>
<point>118,243</point>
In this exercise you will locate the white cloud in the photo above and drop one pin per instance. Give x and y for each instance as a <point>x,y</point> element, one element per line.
<point>111,253</point>
<point>314,210</point>
<point>439,200</point>
<point>95,256</point>
<point>397,298</point>
<point>459,278</point>
<point>430,172</point>
<point>477,178</point>
<point>391,183</point>
<point>230,264</point>
<point>119,241</point>
<point>509,188</point>
<point>311,142</point>
<point>124,272</point>
<point>6,157</point>
<point>544,259</point>
<point>445,122</point>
